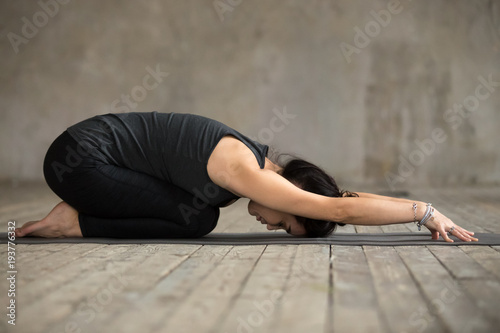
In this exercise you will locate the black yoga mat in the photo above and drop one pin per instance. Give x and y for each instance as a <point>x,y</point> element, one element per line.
<point>268,238</point>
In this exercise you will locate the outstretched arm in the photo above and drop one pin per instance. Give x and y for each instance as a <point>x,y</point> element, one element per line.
<point>384,208</point>
<point>381,197</point>
<point>438,225</point>
<point>272,190</point>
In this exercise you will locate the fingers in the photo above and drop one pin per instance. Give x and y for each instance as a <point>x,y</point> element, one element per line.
<point>440,225</point>
<point>462,234</point>
<point>444,234</point>
<point>465,235</point>
<point>470,233</point>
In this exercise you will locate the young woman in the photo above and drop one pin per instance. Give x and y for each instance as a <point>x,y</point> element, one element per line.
<point>165,175</point>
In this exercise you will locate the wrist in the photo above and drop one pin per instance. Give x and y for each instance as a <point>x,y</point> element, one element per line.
<point>421,209</point>
<point>423,213</point>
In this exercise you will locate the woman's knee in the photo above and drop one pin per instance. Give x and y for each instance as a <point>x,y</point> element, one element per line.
<point>206,221</point>
<point>63,161</point>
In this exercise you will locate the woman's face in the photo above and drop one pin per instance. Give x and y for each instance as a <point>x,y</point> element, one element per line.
<point>276,220</point>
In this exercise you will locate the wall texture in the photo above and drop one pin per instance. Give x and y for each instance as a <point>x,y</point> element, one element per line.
<point>397,94</point>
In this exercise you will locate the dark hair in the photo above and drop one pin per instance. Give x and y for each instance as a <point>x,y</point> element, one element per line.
<point>312,178</point>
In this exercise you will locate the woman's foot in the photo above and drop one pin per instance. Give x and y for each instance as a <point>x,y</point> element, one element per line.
<point>61,222</point>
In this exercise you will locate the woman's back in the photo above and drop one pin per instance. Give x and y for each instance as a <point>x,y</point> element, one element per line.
<point>173,147</point>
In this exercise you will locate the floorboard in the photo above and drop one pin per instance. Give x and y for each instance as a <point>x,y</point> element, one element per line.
<point>274,288</point>
<point>354,295</point>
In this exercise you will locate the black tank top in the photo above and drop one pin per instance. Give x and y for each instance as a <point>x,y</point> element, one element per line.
<point>173,147</point>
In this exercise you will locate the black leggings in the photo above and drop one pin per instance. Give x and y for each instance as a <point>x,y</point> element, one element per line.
<point>119,202</point>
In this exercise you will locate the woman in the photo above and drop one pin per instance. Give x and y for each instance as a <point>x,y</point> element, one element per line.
<point>165,175</point>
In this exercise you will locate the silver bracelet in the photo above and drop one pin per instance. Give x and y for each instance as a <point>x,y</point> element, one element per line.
<point>414,206</point>
<point>429,214</point>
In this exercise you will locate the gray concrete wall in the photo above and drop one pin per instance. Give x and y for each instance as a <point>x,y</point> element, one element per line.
<point>376,92</point>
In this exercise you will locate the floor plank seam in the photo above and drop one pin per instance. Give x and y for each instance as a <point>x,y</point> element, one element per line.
<point>236,295</point>
<point>84,297</point>
<point>187,294</point>
<point>166,274</point>
<point>443,264</point>
<point>427,301</point>
<point>330,302</point>
<point>55,268</point>
<point>279,302</point>
<point>381,316</point>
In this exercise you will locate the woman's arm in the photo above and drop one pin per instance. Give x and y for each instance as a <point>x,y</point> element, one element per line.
<point>378,210</point>
<point>438,225</point>
<point>367,209</point>
<point>382,197</point>
<point>272,190</point>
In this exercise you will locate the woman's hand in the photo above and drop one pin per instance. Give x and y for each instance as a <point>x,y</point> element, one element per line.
<point>441,225</point>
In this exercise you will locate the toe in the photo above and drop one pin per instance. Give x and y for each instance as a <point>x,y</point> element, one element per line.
<point>30,228</point>
<point>19,232</point>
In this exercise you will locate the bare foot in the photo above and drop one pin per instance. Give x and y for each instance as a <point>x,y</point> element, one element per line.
<point>61,222</point>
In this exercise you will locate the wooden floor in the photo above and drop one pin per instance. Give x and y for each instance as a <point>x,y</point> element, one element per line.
<point>275,288</point>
